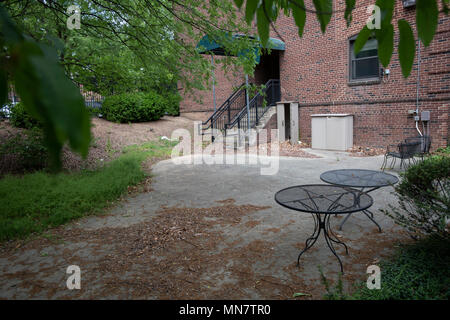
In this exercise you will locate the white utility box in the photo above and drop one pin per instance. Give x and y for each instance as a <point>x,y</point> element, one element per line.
<point>332,131</point>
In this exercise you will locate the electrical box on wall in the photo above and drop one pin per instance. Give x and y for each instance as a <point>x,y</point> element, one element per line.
<point>409,3</point>
<point>425,116</point>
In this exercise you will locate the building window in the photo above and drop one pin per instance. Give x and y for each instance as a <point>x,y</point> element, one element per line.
<point>364,65</point>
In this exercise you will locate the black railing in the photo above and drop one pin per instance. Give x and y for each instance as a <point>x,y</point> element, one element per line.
<point>232,112</point>
<point>226,111</point>
<point>258,106</point>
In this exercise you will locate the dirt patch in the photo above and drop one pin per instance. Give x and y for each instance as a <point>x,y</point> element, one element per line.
<point>109,139</point>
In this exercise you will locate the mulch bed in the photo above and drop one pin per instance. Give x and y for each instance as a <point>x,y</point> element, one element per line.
<point>358,151</point>
<point>284,149</point>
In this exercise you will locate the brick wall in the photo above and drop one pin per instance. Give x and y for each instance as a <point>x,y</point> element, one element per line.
<point>314,70</point>
<point>202,100</point>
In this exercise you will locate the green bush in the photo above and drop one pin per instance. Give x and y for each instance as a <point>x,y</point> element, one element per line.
<point>172,104</point>
<point>24,152</point>
<point>133,107</point>
<point>424,198</point>
<point>20,117</point>
<point>443,150</point>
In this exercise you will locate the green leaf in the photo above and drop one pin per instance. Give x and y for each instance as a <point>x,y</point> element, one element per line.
<point>349,6</point>
<point>50,96</point>
<point>8,28</point>
<point>299,15</point>
<point>406,47</point>
<point>300,294</point>
<point>3,86</point>
<point>263,26</point>
<point>323,11</point>
<point>239,3</point>
<point>385,38</point>
<point>387,10</point>
<point>362,38</point>
<point>269,10</point>
<point>250,9</point>
<point>427,19</point>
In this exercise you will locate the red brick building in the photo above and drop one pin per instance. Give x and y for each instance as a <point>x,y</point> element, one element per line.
<point>321,73</point>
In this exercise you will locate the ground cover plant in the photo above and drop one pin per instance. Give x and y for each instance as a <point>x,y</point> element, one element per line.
<point>418,271</point>
<point>37,201</point>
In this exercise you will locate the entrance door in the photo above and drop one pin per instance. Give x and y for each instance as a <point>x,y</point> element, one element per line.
<point>268,68</point>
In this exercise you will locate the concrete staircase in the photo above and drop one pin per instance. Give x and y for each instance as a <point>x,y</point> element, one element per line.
<point>233,140</point>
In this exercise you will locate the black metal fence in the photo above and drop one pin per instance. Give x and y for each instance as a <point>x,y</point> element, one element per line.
<point>92,100</point>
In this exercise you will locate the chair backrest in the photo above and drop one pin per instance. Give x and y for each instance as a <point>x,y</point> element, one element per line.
<point>409,149</point>
<point>424,141</point>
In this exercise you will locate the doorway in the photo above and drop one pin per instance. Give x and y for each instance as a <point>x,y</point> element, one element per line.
<point>268,68</point>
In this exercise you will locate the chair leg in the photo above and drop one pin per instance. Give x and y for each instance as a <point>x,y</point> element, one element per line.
<point>394,160</point>
<point>383,166</point>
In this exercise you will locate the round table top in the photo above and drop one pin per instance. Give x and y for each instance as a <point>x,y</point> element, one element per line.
<point>323,198</point>
<point>359,178</point>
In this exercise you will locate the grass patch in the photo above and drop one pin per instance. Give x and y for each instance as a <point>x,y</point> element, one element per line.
<point>418,271</point>
<point>35,202</point>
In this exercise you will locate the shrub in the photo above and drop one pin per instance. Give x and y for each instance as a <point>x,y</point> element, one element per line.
<point>172,104</point>
<point>424,197</point>
<point>133,107</point>
<point>19,117</point>
<point>443,151</point>
<point>24,152</point>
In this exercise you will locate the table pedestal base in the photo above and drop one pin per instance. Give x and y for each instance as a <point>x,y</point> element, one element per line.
<point>330,238</point>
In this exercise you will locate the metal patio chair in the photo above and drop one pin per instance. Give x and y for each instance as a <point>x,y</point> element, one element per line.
<point>403,151</point>
<point>425,145</point>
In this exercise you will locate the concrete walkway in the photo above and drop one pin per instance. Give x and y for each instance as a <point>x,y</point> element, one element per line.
<point>270,237</point>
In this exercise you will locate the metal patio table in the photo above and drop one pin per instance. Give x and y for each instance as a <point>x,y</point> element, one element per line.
<point>323,200</point>
<point>367,180</point>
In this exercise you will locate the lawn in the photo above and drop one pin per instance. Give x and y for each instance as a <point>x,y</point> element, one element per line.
<point>37,201</point>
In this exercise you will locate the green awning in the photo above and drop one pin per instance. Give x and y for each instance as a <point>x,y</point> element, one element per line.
<point>207,46</point>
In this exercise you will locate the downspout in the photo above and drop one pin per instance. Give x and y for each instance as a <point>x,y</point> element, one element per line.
<point>417,91</point>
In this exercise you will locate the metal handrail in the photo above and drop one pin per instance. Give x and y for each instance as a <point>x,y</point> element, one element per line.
<point>270,85</point>
<point>223,107</point>
<point>219,120</point>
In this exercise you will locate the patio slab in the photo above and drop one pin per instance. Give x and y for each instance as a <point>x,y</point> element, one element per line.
<point>226,238</point>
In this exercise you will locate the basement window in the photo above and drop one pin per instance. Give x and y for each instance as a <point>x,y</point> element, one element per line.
<point>364,66</point>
